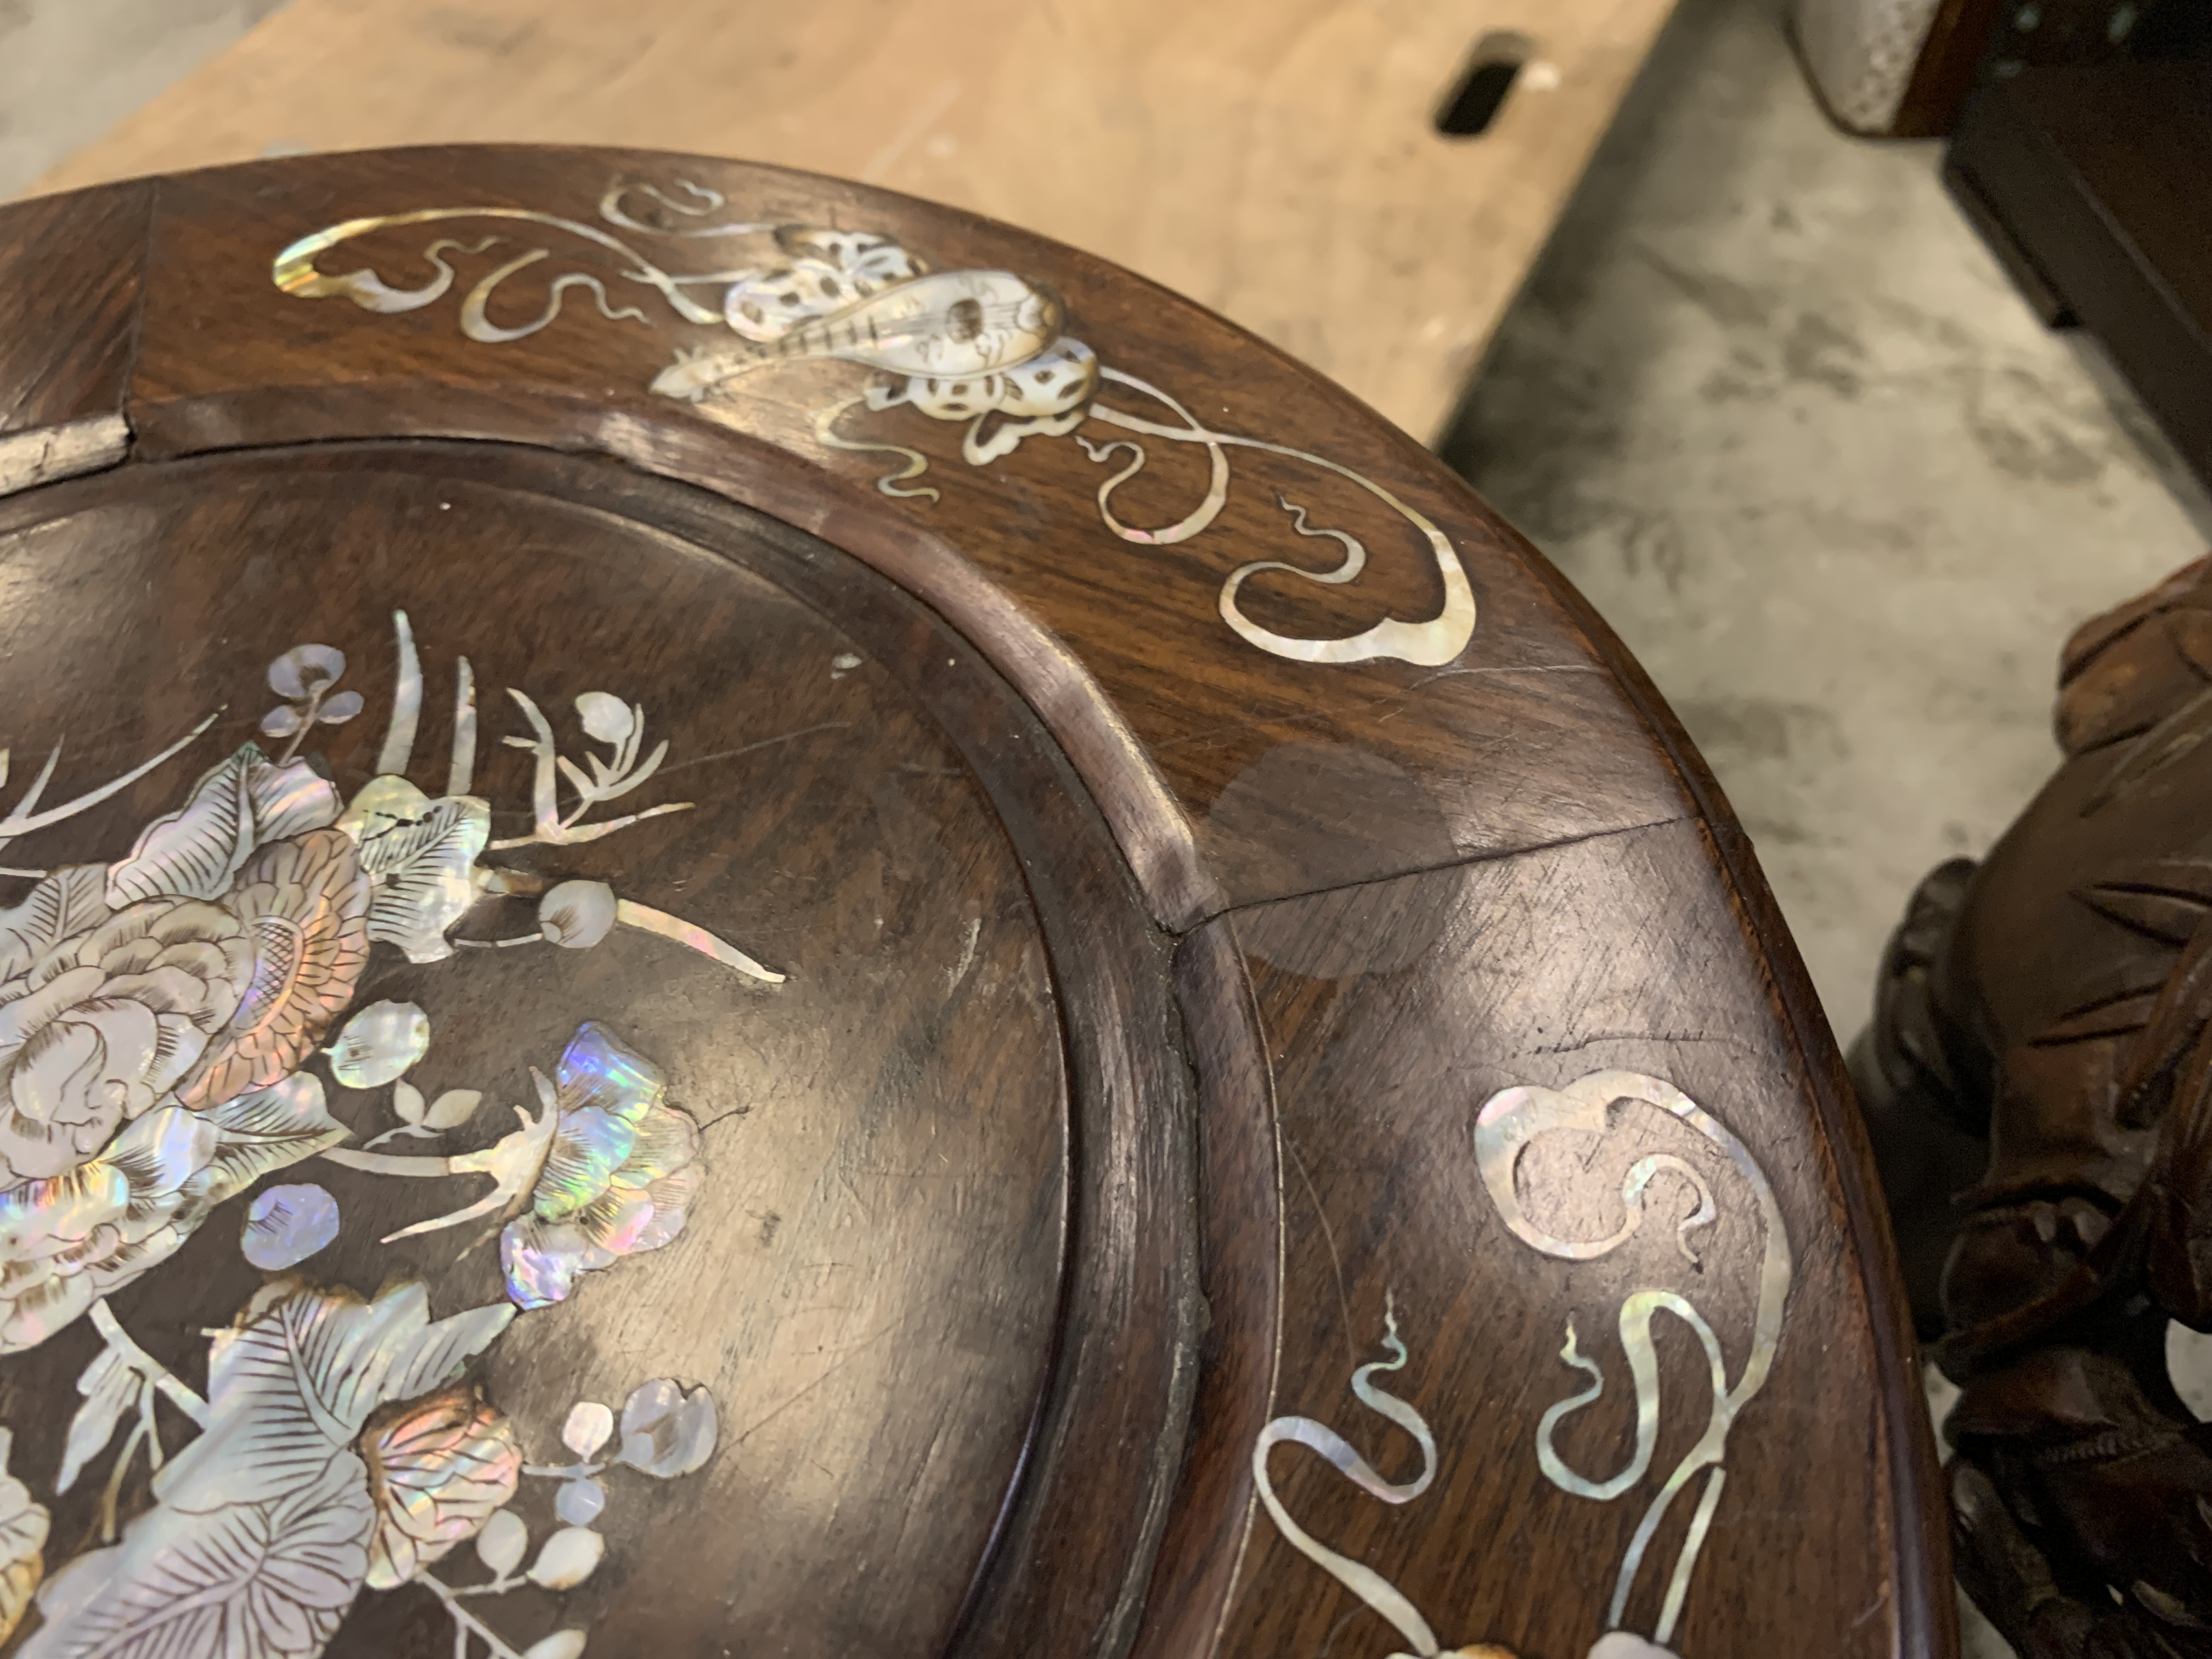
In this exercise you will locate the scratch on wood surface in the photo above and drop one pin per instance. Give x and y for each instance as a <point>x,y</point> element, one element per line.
<point>854,1192</point>
<point>1490,856</point>
<point>765,743</point>
<point>1328,1236</point>
<point>1646,1036</point>
<point>1881,1597</point>
<point>844,1357</point>
<point>959,971</point>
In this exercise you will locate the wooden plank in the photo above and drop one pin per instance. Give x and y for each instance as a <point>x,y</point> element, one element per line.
<point>1276,159</point>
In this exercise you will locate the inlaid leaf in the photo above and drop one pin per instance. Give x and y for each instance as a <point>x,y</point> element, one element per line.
<point>272,1580</point>
<point>67,902</point>
<point>110,1388</point>
<point>285,1225</point>
<point>436,1356</point>
<point>665,1432</point>
<point>503,1542</point>
<point>270,1429</point>
<point>339,709</point>
<point>296,1381</point>
<point>590,1426</point>
<point>379,1044</point>
<point>422,854</point>
<point>606,717</point>
<point>568,1558</point>
<point>579,1502</point>
<point>453,1109</point>
<point>306,669</point>
<point>265,1131</point>
<point>289,800</point>
<point>193,852</point>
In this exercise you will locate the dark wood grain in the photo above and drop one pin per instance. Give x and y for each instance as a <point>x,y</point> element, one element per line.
<point>228,360</point>
<point>1145,985</point>
<point>65,347</point>
<point>1391,1011</point>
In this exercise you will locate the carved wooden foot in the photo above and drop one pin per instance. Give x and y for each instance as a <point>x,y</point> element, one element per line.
<point>2037,1083</point>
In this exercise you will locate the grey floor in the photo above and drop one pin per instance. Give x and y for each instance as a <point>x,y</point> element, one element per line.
<point>70,69</point>
<point>1773,406</point>
<point>1766,400</point>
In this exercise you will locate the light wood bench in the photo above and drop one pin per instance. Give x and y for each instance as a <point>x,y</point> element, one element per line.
<point>1276,159</point>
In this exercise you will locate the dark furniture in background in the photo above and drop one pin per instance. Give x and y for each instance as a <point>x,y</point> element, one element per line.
<point>1073,1008</point>
<point>2080,154</point>
<point>1906,68</point>
<point>2080,132</point>
<point>2093,182</point>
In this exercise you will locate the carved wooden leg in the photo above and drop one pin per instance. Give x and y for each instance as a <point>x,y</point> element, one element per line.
<point>1927,1143</point>
<point>2038,1082</point>
<point>2011,1579</point>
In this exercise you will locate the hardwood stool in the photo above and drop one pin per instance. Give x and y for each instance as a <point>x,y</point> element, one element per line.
<point>747,918</point>
<point>2039,1079</point>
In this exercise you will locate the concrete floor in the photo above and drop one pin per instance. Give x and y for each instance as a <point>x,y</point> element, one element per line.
<point>70,69</point>
<point>1773,407</point>
<point>1767,400</point>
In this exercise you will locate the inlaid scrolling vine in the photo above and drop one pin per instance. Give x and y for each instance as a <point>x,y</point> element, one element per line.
<point>1593,1108</point>
<point>160,1014</point>
<point>986,348</point>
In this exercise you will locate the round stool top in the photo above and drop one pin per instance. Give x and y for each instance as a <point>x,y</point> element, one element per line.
<point>740,917</point>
